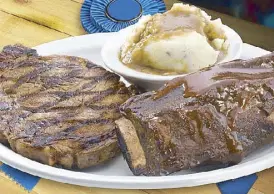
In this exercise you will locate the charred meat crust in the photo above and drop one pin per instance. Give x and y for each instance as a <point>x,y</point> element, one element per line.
<point>215,116</point>
<point>59,110</point>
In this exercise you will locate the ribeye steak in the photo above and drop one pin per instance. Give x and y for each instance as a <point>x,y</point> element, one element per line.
<point>58,110</point>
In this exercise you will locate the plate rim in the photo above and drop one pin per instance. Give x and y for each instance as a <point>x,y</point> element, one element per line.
<point>126,182</point>
<point>132,182</point>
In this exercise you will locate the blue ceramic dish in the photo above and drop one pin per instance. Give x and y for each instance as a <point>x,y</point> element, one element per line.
<point>86,21</point>
<point>114,15</point>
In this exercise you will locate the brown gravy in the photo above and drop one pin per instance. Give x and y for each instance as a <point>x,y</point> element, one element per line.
<point>153,71</point>
<point>198,82</point>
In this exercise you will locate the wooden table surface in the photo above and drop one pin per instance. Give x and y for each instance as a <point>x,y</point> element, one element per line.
<point>33,22</point>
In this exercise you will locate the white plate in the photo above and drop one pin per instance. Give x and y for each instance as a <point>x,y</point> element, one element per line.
<point>116,173</point>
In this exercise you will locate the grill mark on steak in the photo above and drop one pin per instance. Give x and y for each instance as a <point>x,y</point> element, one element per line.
<point>63,102</point>
<point>30,76</point>
<point>98,96</point>
<point>107,76</point>
<point>44,140</point>
<point>51,81</point>
<point>103,137</point>
<point>36,128</point>
<point>88,141</point>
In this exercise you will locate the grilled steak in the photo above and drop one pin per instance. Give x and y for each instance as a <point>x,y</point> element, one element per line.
<point>58,110</point>
<point>215,116</point>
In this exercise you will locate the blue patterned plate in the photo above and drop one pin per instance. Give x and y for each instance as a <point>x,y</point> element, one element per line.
<point>86,21</point>
<point>114,15</point>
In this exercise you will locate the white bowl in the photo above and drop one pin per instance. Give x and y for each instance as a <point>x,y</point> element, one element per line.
<point>110,55</point>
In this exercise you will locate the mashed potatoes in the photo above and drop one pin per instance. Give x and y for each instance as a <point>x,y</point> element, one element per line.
<point>181,40</point>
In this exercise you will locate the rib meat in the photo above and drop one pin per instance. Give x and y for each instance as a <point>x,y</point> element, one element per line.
<point>215,116</point>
